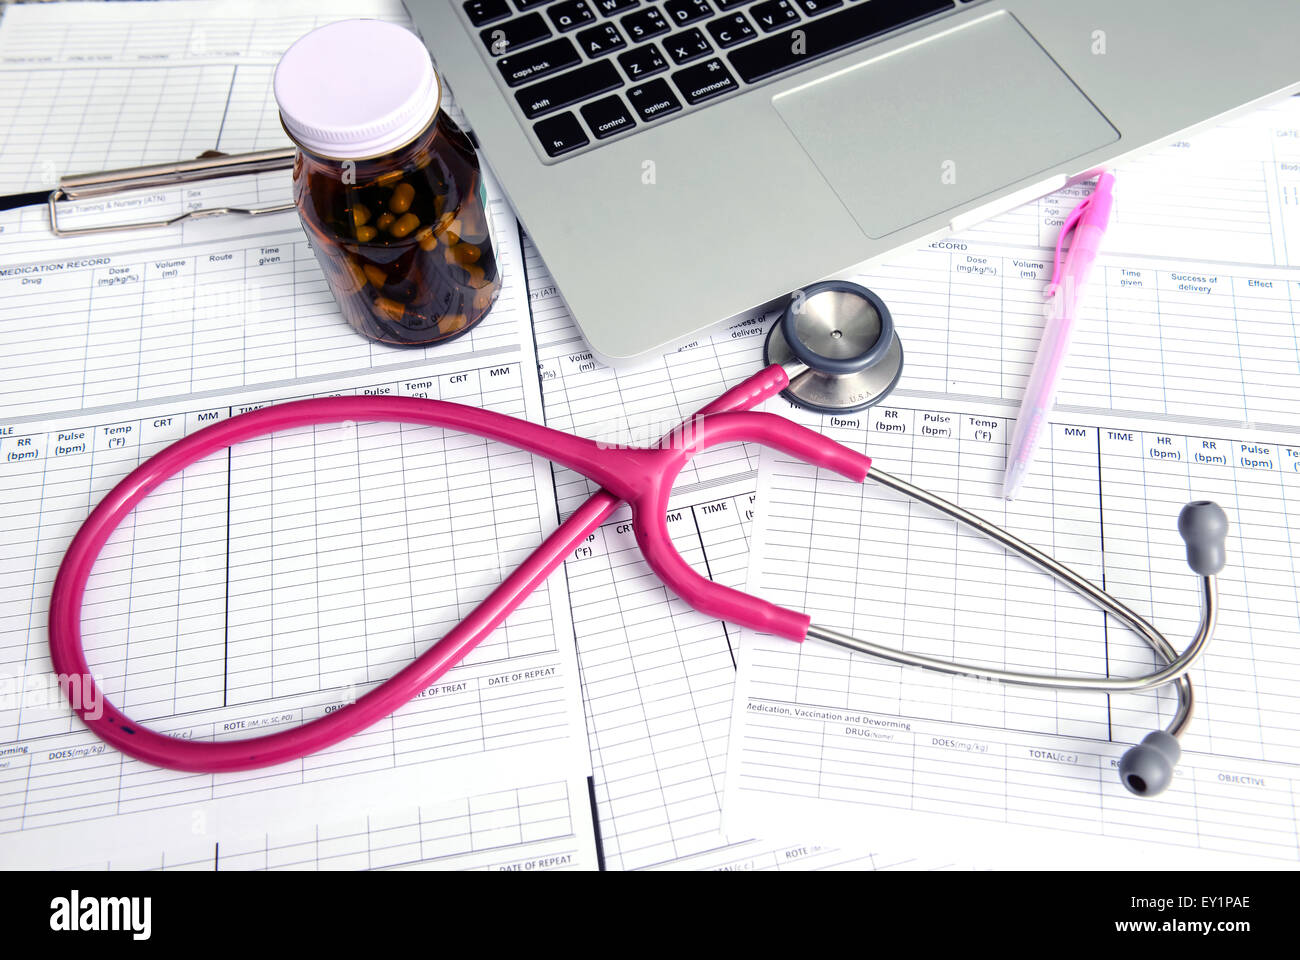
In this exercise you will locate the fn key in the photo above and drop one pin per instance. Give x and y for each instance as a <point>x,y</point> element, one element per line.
<point>560,134</point>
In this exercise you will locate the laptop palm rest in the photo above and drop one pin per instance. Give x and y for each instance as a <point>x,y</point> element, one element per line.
<point>917,132</point>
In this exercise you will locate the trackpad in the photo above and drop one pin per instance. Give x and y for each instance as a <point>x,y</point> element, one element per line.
<point>913,134</point>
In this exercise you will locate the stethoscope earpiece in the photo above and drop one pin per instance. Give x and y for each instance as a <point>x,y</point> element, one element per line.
<point>838,343</point>
<point>1147,768</point>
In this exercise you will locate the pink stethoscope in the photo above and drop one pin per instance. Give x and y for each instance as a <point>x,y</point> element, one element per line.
<point>819,354</point>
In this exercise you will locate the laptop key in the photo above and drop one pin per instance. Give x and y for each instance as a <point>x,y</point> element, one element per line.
<point>607,8</point>
<point>560,134</point>
<point>570,15</point>
<point>486,11</point>
<point>729,31</point>
<point>687,45</point>
<point>644,25</point>
<point>607,117</point>
<point>811,8</point>
<point>654,99</point>
<point>559,54</point>
<point>525,5</point>
<point>828,34</point>
<point>682,12</point>
<point>705,81</point>
<point>643,61</point>
<point>568,88</point>
<point>513,34</point>
<point>600,40</point>
<point>773,15</point>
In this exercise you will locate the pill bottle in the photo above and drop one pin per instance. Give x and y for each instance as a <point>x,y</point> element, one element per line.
<point>387,185</point>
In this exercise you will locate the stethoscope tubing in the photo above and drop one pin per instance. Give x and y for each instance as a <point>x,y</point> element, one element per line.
<point>115,728</point>
<point>1176,665</point>
<point>134,739</point>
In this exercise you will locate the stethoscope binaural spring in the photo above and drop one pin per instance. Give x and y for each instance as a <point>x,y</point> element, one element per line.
<point>835,348</point>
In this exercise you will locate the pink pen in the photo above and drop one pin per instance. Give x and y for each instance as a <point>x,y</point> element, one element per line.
<point>1088,220</point>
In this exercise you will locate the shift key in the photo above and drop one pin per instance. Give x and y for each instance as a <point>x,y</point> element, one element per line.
<point>568,88</point>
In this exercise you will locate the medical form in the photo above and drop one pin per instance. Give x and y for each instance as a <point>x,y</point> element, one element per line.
<point>1182,385</point>
<point>158,333</point>
<point>658,676</point>
<point>275,582</point>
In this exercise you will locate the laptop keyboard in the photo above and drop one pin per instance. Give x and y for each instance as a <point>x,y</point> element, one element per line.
<point>585,71</point>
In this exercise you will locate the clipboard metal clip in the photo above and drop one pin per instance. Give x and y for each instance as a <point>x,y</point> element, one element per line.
<point>210,164</point>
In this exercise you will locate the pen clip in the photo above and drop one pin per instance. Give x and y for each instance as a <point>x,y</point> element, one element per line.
<point>1070,223</point>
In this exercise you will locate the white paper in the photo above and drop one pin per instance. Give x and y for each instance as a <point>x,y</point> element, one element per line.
<point>86,87</point>
<point>267,585</point>
<point>93,86</point>
<point>657,675</point>
<point>1182,385</point>
<point>274,583</point>
<point>1226,193</point>
<point>528,828</point>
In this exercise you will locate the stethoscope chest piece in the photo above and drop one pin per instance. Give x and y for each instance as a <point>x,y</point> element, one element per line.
<point>844,335</point>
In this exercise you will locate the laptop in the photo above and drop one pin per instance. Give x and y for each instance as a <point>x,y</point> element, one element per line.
<point>680,163</point>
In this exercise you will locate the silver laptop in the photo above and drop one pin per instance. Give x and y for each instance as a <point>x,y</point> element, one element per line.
<point>682,162</point>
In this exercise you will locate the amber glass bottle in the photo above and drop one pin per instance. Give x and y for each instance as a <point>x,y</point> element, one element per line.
<point>387,185</point>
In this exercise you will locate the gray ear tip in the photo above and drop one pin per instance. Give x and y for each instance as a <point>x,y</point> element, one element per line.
<point>1203,518</point>
<point>1204,528</point>
<point>1148,768</point>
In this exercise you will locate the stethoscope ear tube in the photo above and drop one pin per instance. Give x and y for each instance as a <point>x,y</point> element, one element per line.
<point>1147,768</point>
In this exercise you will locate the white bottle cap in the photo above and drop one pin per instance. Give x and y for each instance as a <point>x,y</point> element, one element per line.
<point>356,89</point>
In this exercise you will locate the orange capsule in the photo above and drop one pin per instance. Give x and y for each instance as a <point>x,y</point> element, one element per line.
<point>389,178</point>
<point>350,275</point>
<point>385,221</point>
<point>375,275</point>
<point>472,222</point>
<point>476,275</point>
<point>464,253</point>
<point>426,239</point>
<point>401,199</point>
<point>390,308</point>
<point>483,298</point>
<point>404,225</point>
<point>452,322</point>
<point>366,234</point>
